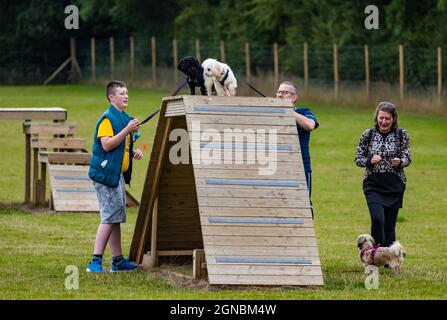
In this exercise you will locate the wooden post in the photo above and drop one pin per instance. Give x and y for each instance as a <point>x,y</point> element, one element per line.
<point>74,61</point>
<point>36,185</point>
<point>43,180</point>
<point>132,57</point>
<point>198,259</point>
<point>27,168</point>
<point>439,73</point>
<point>222,50</point>
<point>198,49</point>
<point>247,61</point>
<point>154,61</point>
<point>175,58</point>
<point>154,233</point>
<point>72,54</point>
<point>276,64</point>
<point>306,68</point>
<point>335,49</point>
<point>112,58</point>
<point>93,57</point>
<point>367,72</point>
<point>401,71</point>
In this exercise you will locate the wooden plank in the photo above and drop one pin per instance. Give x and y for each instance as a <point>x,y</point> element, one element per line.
<point>281,250</point>
<point>284,280</point>
<point>32,113</point>
<point>250,193</point>
<point>255,212</point>
<point>48,128</point>
<point>73,168</point>
<point>64,157</point>
<point>198,272</point>
<point>60,143</point>
<point>259,240</point>
<point>27,168</point>
<point>253,202</point>
<point>243,119</point>
<point>312,270</point>
<point>191,101</point>
<point>154,232</point>
<point>255,221</point>
<point>62,207</point>
<point>266,261</point>
<point>245,128</point>
<point>222,230</point>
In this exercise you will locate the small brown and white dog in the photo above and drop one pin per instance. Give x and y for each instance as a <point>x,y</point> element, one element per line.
<point>220,76</point>
<point>372,254</point>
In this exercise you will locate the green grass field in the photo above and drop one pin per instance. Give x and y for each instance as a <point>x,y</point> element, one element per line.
<point>36,248</point>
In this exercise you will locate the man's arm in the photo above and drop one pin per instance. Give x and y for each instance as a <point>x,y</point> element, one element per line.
<point>304,122</point>
<point>110,143</point>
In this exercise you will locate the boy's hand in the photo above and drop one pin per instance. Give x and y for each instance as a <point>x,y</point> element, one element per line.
<point>132,125</point>
<point>137,154</point>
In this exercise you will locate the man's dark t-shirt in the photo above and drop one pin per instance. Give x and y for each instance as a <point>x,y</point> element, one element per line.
<point>304,137</point>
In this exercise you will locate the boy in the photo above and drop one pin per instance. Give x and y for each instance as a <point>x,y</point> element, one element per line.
<point>110,169</point>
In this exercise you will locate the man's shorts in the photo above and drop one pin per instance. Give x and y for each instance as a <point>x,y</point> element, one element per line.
<point>112,202</point>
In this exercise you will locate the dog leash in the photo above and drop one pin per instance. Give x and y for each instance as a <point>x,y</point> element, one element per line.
<point>253,88</point>
<point>177,90</point>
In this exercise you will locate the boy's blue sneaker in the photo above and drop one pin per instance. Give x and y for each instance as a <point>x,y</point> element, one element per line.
<point>123,265</point>
<point>95,265</point>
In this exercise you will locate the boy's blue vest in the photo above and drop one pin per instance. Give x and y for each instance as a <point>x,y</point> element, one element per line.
<point>105,167</point>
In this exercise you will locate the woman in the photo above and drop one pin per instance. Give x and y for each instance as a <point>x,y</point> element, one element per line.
<point>384,151</point>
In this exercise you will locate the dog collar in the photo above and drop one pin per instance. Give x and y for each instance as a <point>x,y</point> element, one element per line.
<point>224,78</point>
<point>373,252</point>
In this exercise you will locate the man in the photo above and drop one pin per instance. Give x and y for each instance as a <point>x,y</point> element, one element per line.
<point>305,122</point>
<point>110,169</point>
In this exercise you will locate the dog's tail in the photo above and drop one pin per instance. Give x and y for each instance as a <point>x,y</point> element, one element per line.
<point>396,249</point>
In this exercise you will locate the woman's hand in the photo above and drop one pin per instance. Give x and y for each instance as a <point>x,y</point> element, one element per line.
<point>376,159</point>
<point>395,162</point>
<point>137,154</point>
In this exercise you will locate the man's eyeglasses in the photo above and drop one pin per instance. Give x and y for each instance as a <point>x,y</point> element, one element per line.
<point>284,92</point>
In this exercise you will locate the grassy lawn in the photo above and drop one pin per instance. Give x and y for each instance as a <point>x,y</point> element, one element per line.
<point>36,248</point>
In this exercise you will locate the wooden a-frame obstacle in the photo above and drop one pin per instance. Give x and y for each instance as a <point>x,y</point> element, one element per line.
<point>254,229</point>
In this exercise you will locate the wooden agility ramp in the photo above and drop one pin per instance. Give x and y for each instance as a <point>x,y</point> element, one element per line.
<point>255,229</point>
<point>72,189</point>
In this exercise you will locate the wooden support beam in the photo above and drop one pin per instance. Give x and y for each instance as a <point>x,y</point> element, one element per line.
<point>112,57</point>
<point>367,80</point>
<point>153,188</point>
<point>132,57</point>
<point>198,262</point>
<point>175,59</point>
<point>401,72</point>
<point>276,64</point>
<point>198,49</point>
<point>306,67</point>
<point>154,61</point>
<point>154,232</point>
<point>93,58</point>
<point>439,72</point>
<point>335,52</point>
<point>222,50</point>
<point>247,62</point>
<point>57,71</point>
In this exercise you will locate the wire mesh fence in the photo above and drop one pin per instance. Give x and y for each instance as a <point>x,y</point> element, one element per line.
<point>364,72</point>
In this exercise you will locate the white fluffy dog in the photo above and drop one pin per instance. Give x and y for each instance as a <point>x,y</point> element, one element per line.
<point>372,254</point>
<point>220,76</point>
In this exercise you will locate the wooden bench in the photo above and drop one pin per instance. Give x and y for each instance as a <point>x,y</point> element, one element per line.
<point>38,143</point>
<point>71,188</point>
<point>27,114</point>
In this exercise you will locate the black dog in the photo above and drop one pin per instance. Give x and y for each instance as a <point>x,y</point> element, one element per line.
<point>191,67</point>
